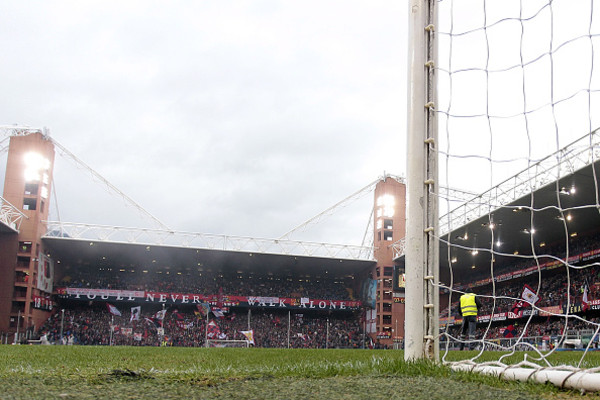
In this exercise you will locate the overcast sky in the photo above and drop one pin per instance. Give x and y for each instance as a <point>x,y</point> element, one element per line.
<point>250,117</point>
<point>229,117</point>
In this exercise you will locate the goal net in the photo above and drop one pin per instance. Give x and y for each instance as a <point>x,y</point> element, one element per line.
<point>514,96</point>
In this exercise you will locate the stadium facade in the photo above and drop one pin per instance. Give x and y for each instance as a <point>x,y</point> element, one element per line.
<point>43,272</point>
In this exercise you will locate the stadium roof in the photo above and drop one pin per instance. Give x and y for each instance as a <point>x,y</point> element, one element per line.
<point>556,213</point>
<point>10,217</point>
<point>6,229</point>
<point>90,253</point>
<point>555,201</point>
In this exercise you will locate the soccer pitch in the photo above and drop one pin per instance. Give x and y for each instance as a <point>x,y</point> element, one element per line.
<point>87,372</point>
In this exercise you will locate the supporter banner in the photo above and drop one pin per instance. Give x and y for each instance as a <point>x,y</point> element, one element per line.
<point>384,335</point>
<point>369,291</point>
<point>100,294</point>
<point>495,317</point>
<point>589,255</point>
<point>226,301</point>
<point>43,303</point>
<point>575,308</point>
<point>504,277</point>
<point>551,310</point>
<point>594,304</point>
<point>524,312</point>
<point>543,312</point>
<point>45,273</point>
<point>371,319</point>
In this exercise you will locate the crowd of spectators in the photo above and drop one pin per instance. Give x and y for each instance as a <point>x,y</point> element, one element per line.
<point>92,326</point>
<point>554,290</point>
<point>533,331</point>
<point>556,287</point>
<point>210,283</point>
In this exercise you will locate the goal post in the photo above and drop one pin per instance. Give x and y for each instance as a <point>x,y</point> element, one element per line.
<point>227,343</point>
<point>421,252</point>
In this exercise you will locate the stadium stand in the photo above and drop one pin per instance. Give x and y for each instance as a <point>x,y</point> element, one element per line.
<point>89,322</point>
<point>510,279</point>
<point>208,283</point>
<point>91,325</point>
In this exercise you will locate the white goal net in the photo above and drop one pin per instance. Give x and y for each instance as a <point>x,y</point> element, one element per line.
<point>516,104</point>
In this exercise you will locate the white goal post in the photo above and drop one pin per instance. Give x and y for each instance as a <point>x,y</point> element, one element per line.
<point>227,343</point>
<point>422,297</point>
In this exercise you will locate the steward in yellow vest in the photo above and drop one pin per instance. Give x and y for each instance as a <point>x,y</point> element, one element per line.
<point>469,305</point>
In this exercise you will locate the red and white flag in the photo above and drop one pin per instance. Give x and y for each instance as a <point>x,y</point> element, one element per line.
<point>529,295</point>
<point>113,310</point>
<point>584,299</point>
<point>212,330</point>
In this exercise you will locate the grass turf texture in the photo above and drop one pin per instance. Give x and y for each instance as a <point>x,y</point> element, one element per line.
<point>86,372</point>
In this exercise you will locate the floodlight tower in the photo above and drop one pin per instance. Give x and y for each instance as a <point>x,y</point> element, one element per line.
<point>26,271</point>
<point>386,320</point>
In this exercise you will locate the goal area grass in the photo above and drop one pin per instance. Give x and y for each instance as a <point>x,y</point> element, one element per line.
<point>89,372</point>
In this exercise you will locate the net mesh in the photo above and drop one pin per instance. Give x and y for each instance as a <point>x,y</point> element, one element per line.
<point>518,90</point>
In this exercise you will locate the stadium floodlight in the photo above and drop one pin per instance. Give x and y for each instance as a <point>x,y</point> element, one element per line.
<point>386,205</point>
<point>567,192</point>
<point>35,165</point>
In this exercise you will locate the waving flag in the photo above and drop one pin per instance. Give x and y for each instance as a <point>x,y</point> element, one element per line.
<point>510,331</point>
<point>113,310</point>
<point>527,295</point>
<point>218,312</point>
<point>203,308</point>
<point>584,298</point>
<point>212,330</point>
<point>135,313</point>
<point>154,322</point>
<point>249,335</point>
<point>160,315</point>
<point>178,315</point>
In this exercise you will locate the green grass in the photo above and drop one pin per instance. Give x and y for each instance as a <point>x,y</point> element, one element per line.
<point>65,372</point>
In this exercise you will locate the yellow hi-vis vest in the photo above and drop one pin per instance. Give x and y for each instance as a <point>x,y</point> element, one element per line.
<point>467,304</point>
